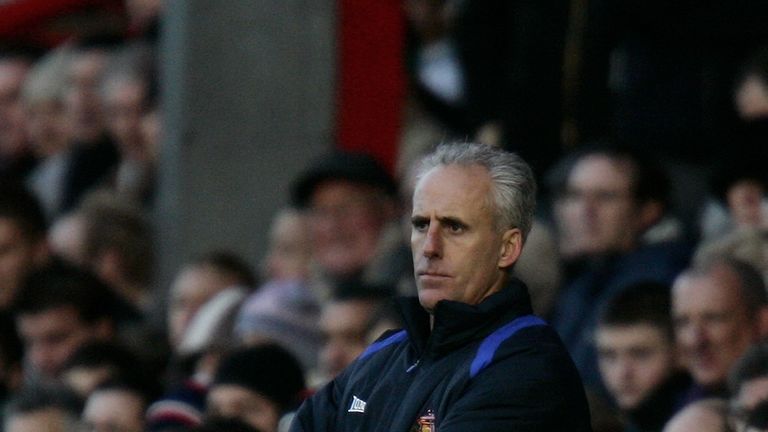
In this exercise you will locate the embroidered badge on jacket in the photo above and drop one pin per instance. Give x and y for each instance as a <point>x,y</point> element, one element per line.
<point>426,423</point>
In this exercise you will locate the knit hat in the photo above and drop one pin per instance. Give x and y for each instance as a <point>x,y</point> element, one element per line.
<point>287,312</point>
<point>355,167</point>
<point>267,369</point>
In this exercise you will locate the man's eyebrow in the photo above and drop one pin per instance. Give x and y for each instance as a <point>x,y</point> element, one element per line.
<point>452,220</point>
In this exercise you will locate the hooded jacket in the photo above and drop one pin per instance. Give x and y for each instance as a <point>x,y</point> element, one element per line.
<point>487,367</point>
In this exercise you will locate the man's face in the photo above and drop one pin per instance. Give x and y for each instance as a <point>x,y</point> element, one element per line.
<point>124,103</point>
<point>18,255</point>
<point>52,336</point>
<point>114,410</point>
<point>233,401</point>
<point>12,73</point>
<point>345,222</point>
<point>46,127</point>
<point>344,324</point>
<point>597,213</point>
<point>289,252</point>
<point>193,287</point>
<point>713,327</point>
<point>455,243</point>
<point>81,100</point>
<point>634,360</point>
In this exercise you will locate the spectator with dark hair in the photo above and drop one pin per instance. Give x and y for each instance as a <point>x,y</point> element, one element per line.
<point>115,406</point>
<point>35,409</point>
<point>95,363</point>
<point>200,280</point>
<point>609,200</point>
<point>23,244</point>
<point>720,308</point>
<point>257,385</point>
<point>345,321</point>
<point>58,310</point>
<point>636,354</point>
<point>118,246</point>
<point>748,384</point>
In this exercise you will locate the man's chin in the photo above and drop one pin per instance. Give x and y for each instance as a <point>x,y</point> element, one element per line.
<point>429,299</point>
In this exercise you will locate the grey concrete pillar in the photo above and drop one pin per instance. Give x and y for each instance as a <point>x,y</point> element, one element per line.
<point>247,100</point>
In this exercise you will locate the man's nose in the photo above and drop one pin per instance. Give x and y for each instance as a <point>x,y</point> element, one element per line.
<point>697,336</point>
<point>433,245</point>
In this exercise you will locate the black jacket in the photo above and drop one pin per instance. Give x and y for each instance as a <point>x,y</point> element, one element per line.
<point>490,367</point>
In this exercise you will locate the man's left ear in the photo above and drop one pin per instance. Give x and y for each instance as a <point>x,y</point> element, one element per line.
<point>511,247</point>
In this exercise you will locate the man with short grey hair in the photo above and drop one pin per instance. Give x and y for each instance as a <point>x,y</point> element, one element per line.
<point>472,356</point>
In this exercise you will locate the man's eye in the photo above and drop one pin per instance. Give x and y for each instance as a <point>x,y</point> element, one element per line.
<point>455,227</point>
<point>420,225</point>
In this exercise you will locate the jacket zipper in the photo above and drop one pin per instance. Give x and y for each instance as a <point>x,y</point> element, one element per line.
<point>413,366</point>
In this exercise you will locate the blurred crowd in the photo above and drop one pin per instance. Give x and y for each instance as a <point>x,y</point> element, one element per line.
<point>644,122</point>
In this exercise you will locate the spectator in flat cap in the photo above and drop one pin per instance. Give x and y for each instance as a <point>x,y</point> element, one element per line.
<point>257,385</point>
<point>352,206</point>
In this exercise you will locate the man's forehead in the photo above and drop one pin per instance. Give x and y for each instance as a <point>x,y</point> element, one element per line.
<point>713,290</point>
<point>630,334</point>
<point>600,170</point>
<point>453,192</point>
<point>64,315</point>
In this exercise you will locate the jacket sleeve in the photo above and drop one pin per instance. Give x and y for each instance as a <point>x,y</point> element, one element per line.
<point>533,389</point>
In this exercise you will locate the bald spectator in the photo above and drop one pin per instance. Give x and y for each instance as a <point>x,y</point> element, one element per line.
<point>351,203</point>
<point>719,309</point>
